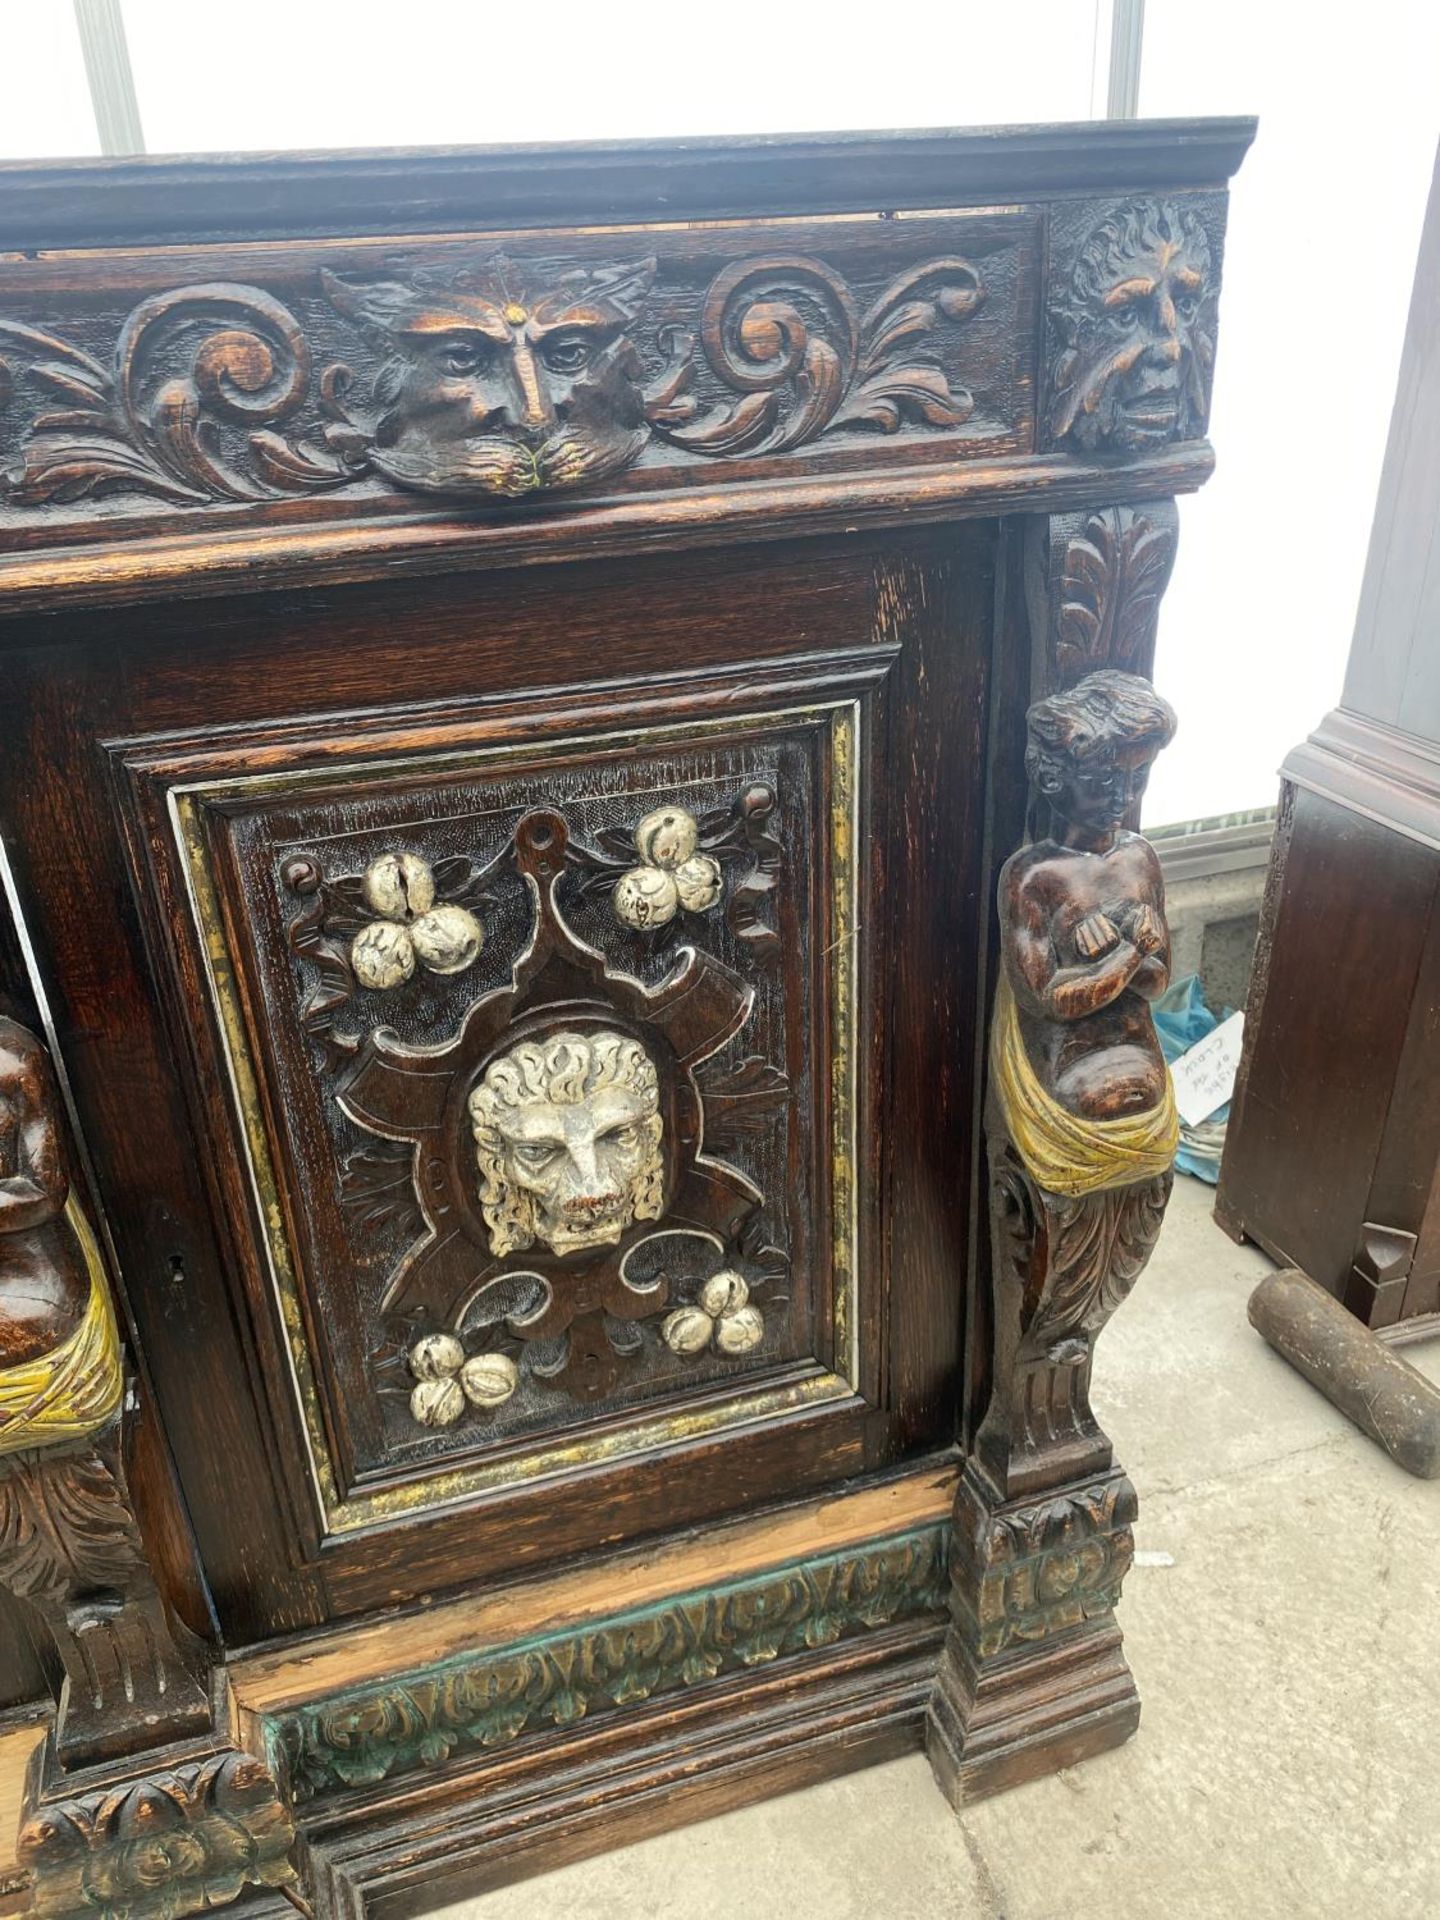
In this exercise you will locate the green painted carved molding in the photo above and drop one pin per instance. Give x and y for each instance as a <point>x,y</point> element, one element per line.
<point>474,1701</point>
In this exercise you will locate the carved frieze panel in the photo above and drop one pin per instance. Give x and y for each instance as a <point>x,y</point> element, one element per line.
<point>1132,292</point>
<point>477,375</point>
<point>553,1163</point>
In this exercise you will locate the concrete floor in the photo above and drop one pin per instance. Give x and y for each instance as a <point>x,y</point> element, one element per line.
<point>1281,1625</point>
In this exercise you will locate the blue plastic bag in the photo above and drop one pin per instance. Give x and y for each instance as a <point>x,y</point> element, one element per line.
<point>1182,1018</point>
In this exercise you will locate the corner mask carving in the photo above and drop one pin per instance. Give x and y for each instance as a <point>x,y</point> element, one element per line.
<point>567,1135</point>
<point>1135,332</point>
<point>497,384</point>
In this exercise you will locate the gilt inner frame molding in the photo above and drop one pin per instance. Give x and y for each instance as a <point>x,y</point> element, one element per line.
<point>422,1492</point>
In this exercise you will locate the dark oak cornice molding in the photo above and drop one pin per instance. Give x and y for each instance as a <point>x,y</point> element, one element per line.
<point>189,198</point>
<point>333,552</point>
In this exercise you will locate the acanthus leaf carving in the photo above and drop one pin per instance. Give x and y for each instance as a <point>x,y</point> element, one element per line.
<point>180,1840</point>
<point>1037,1569</point>
<point>742,1097</point>
<point>1096,1248</point>
<point>418,1721</point>
<point>1114,570</point>
<point>376,1186</point>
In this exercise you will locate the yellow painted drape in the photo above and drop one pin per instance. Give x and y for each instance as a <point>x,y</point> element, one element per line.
<point>73,1391</point>
<point>1063,1153</point>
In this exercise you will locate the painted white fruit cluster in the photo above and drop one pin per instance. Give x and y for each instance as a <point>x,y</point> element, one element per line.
<point>672,873</point>
<point>722,1314</point>
<point>411,929</point>
<point>445,1380</point>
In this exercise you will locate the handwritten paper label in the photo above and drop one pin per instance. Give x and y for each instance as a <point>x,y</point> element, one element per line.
<point>1204,1076</point>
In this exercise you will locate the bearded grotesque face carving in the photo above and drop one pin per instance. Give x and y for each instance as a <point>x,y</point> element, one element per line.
<point>567,1136</point>
<point>1134,369</point>
<point>499,386</point>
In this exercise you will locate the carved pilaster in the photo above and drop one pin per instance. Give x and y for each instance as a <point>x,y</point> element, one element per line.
<point>1062,1265</point>
<point>1081,1131</point>
<point>69,1545</point>
<point>1032,1676</point>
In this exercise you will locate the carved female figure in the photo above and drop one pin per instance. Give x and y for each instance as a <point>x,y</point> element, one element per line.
<point>60,1372</point>
<point>1078,1070</point>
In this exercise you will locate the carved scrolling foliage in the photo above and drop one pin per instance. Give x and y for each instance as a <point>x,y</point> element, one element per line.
<point>787,335</point>
<point>494,381</point>
<point>1035,1570</point>
<point>184,364</point>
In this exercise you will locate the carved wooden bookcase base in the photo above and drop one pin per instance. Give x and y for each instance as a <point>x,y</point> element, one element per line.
<point>514,958</point>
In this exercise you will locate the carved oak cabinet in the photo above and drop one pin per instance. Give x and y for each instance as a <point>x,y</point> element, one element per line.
<point>515,671</point>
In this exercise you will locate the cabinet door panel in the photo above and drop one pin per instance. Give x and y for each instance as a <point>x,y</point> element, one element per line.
<point>546,1085</point>
<point>547,1155</point>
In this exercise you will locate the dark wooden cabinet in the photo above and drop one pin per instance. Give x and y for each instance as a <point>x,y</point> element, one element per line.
<point>516,672</point>
<point>1332,1157</point>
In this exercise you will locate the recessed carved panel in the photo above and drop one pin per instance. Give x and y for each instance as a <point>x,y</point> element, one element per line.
<point>588,1173</point>
<point>462,371</point>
